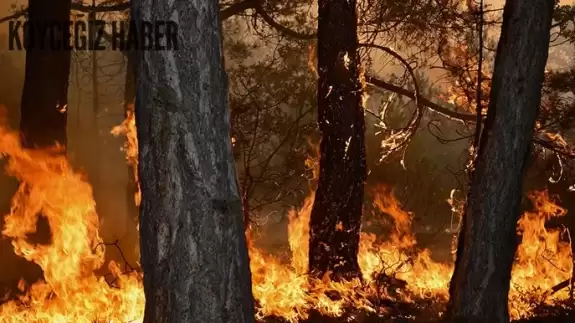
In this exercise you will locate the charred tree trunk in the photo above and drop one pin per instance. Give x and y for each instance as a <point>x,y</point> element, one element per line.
<point>43,113</point>
<point>193,246</point>
<point>336,215</point>
<point>488,240</point>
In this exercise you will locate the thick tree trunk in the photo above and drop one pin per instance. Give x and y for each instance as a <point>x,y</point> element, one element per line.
<point>336,215</point>
<point>43,113</point>
<point>488,240</point>
<point>193,247</point>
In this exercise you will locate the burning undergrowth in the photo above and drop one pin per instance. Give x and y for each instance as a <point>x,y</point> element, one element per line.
<point>399,279</point>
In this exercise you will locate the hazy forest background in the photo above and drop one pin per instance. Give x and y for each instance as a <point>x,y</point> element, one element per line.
<point>270,63</point>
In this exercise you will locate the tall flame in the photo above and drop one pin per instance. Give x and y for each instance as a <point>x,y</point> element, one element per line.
<point>128,129</point>
<point>71,290</point>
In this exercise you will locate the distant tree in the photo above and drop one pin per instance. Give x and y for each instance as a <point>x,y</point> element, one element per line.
<point>43,107</point>
<point>193,248</point>
<point>488,240</point>
<point>335,221</point>
<point>10,95</point>
<point>43,114</point>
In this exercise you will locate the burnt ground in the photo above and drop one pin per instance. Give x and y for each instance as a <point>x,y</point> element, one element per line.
<point>567,317</point>
<point>427,311</point>
<point>421,311</point>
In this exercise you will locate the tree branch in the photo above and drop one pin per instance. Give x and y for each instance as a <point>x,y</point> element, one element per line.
<point>226,13</point>
<point>453,115</point>
<point>418,113</point>
<point>101,8</point>
<point>237,8</point>
<point>277,26</point>
<point>78,7</point>
<point>465,117</point>
<point>14,16</point>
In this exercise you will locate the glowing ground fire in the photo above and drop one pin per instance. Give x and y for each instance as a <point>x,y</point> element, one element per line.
<point>72,292</point>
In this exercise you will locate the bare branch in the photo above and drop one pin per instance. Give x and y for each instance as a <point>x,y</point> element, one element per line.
<point>75,6</point>
<point>101,8</point>
<point>410,129</point>
<point>278,27</point>
<point>14,16</point>
<point>237,8</point>
<point>465,117</point>
<point>458,116</point>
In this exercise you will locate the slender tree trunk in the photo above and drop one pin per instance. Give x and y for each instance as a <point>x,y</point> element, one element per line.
<point>95,88</point>
<point>193,247</point>
<point>129,100</point>
<point>336,215</point>
<point>43,113</point>
<point>129,97</point>
<point>95,152</point>
<point>129,82</point>
<point>132,185</point>
<point>488,240</point>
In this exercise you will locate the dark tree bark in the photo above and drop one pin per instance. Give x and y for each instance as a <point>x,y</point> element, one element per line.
<point>193,247</point>
<point>488,240</point>
<point>43,113</point>
<point>336,214</point>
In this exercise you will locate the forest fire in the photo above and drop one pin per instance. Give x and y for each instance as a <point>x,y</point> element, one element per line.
<point>73,292</point>
<point>406,101</point>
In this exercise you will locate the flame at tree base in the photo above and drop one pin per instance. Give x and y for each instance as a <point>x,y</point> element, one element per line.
<point>73,292</point>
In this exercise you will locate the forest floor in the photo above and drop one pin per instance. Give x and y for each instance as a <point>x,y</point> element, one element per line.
<point>428,312</point>
<point>420,311</point>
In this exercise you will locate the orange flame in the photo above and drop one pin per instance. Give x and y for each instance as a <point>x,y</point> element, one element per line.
<point>73,292</point>
<point>128,129</point>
